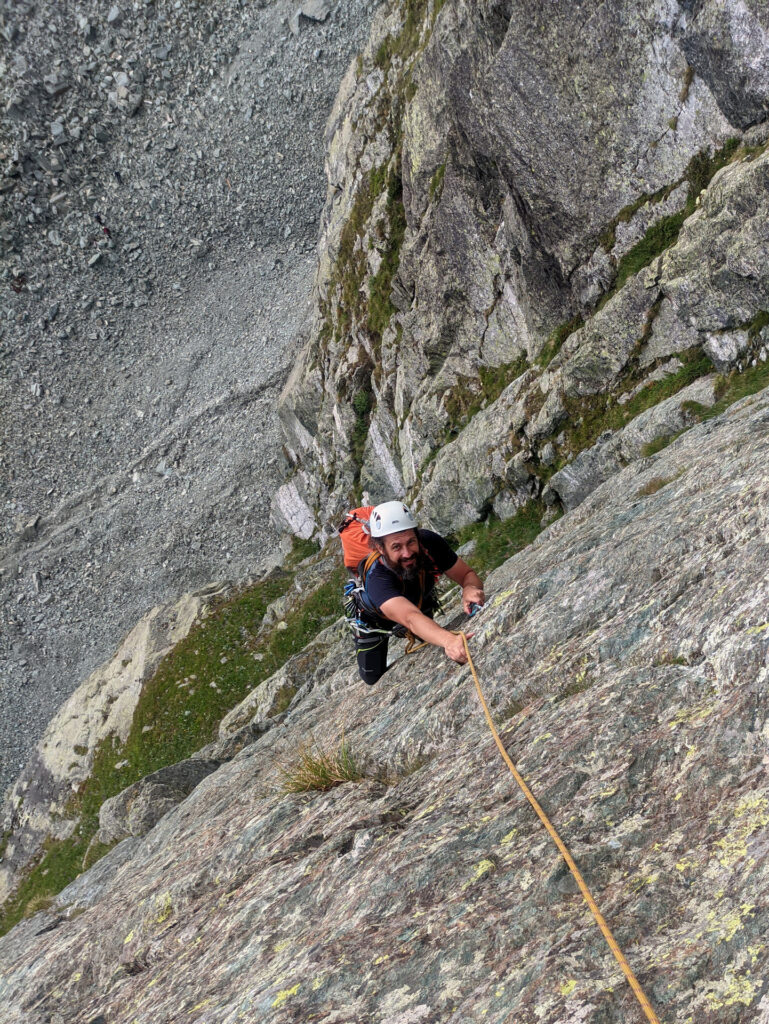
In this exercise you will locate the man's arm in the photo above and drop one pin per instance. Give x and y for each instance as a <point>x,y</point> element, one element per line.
<point>469,581</point>
<point>402,611</point>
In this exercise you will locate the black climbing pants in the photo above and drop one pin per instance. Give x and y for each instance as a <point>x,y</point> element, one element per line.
<point>372,652</point>
<point>372,658</point>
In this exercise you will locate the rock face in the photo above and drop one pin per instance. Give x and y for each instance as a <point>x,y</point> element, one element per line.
<point>36,807</point>
<point>457,238</point>
<point>625,656</point>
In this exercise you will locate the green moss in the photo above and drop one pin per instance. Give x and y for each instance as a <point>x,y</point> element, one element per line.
<point>664,234</point>
<point>496,539</point>
<point>659,443</point>
<point>182,709</point>
<point>380,306</point>
<point>590,417</point>
<point>554,343</point>
<point>436,182</point>
<point>300,550</point>
<point>469,396</point>
<point>494,379</point>
<point>660,236</point>
<point>406,42</point>
<point>735,387</point>
<point>757,324</point>
<point>361,404</point>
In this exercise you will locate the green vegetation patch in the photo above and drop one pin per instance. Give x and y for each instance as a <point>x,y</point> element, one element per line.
<point>496,539</point>
<point>470,395</point>
<point>554,343</point>
<point>730,388</point>
<point>590,417</point>
<point>406,42</point>
<point>361,404</point>
<point>380,307</point>
<point>436,182</point>
<point>664,233</point>
<point>218,664</point>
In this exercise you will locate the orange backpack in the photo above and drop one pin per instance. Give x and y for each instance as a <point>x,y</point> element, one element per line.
<point>354,538</point>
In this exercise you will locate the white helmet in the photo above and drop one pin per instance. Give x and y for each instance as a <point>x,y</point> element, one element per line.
<point>390,517</point>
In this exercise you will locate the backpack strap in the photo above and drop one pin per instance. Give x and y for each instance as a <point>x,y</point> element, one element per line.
<point>363,570</point>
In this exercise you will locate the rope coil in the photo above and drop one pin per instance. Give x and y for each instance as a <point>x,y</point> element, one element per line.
<point>600,920</point>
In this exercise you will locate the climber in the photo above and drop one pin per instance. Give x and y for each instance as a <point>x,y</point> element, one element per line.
<point>397,588</point>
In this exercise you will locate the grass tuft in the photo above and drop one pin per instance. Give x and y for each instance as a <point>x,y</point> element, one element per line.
<point>653,485</point>
<point>316,768</point>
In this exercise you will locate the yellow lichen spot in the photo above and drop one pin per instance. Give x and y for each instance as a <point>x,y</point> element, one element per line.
<point>678,795</point>
<point>151,983</point>
<point>685,863</point>
<point>128,938</point>
<point>757,629</point>
<point>481,868</point>
<point>500,992</point>
<point>755,951</point>
<point>693,715</point>
<point>508,838</point>
<point>726,925</point>
<point>568,987</point>
<point>731,990</point>
<point>317,983</point>
<point>280,946</point>
<point>284,995</point>
<point>751,814</point>
<point>199,1006</point>
<point>643,880</point>
<point>502,597</point>
<point>165,907</point>
<point>609,791</point>
<point>540,739</point>
<point>381,959</point>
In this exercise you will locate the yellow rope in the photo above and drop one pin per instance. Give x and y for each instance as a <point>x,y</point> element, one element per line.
<point>612,942</point>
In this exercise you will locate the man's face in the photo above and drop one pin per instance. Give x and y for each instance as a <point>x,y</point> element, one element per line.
<point>402,551</point>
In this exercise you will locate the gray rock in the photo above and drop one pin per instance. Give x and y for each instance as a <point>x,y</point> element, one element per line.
<point>726,348</point>
<point>612,452</point>
<point>141,806</point>
<point>725,43</point>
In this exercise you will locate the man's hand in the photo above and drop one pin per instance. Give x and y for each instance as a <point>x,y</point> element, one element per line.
<point>455,649</point>
<point>472,595</point>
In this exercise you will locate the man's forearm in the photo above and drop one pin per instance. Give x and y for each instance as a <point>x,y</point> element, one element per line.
<point>424,627</point>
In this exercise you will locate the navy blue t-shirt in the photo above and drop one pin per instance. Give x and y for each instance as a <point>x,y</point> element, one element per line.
<point>382,583</point>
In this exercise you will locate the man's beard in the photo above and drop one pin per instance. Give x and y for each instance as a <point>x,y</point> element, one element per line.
<point>408,573</point>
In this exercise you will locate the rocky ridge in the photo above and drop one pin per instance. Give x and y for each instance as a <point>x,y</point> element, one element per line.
<point>625,657</point>
<point>161,179</point>
<point>483,253</point>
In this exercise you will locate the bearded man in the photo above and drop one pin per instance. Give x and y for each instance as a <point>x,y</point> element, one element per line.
<point>400,587</point>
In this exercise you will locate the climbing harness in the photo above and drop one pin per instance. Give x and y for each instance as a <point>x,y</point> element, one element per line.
<point>611,941</point>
